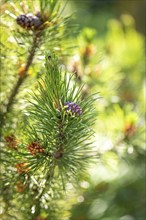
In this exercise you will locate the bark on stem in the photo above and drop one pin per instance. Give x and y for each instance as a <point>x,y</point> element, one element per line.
<point>21,78</point>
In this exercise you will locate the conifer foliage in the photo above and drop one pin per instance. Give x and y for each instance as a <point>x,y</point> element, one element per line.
<point>53,144</point>
<point>36,26</point>
<point>61,138</point>
<point>56,143</point>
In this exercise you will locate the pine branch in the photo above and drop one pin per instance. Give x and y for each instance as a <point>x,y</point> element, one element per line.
<point>21,78</point>
<point>56,144</point>
<point>52,27</point>
<point>59,142</point>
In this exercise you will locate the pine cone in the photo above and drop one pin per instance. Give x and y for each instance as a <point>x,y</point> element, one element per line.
<point>28,21</point>
<point>11,142</point>
<point>35,148</point>
<point>73,108</point>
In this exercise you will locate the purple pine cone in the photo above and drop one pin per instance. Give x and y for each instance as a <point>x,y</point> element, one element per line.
<point>28,21</point>
<point>73,108</point>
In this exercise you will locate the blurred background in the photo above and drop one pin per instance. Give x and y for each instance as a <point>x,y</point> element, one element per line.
<point>110,59</point>
<point>96,13</point>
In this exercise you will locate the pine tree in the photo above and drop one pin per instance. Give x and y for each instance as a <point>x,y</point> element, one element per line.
<point>52,146</point>
<point>48,113</point>
<point>37,26</point>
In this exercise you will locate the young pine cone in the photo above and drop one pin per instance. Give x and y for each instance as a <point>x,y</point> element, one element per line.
<point>73,108</point>
<point>34,148</point>
<point>29,21</point>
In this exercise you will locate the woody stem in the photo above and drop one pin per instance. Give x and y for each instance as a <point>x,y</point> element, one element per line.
<point>20,80</point>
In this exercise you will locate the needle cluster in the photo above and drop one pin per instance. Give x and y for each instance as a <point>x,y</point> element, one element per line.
<point>60,121</point>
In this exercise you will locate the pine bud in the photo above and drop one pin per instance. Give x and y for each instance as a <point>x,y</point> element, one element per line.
<point>35,148</point>
<point>28,21</point>
<point>58,154</point>
<point>11,142</point>
<point>73,108</point>
<point>22,168</point>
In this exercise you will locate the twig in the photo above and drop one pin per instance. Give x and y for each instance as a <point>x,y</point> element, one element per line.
<point>21,79</point>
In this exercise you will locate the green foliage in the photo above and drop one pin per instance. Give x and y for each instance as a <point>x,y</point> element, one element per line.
<point>53,149</point>
<point>64,137</point>
<point>113,64</point>
<point>22,51</point>
<point>46,150</point>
